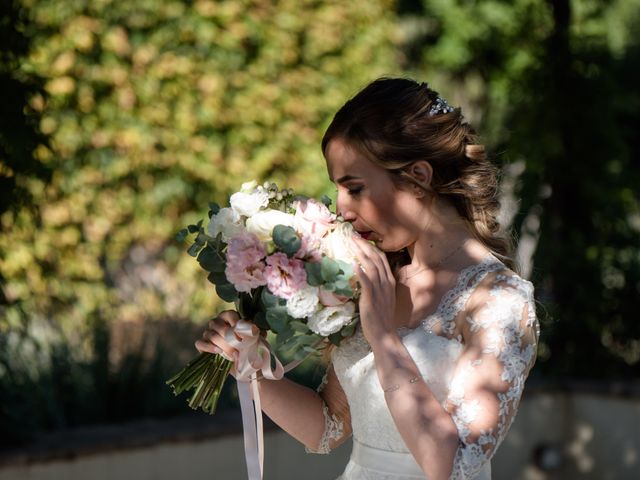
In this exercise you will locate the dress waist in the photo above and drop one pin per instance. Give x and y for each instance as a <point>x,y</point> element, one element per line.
<point>385,461</point>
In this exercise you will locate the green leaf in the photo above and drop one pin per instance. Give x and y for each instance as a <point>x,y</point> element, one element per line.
<point>326,200</point>
<point>227,292</point>
<point>182,235</point>
<point>329,269</point>
<point>286,239</point>
<point>314,275</point>
<point>214,208</point>
<point>217,278</point>
<point>193,228</point>
<point>299,326</point>
<point>270,300</point>
<point>195,248</point>
<point>284,336</point>
<point>277,318</point>
<point>335,338</point>
<point>260,319</point>
<point>211,260</point>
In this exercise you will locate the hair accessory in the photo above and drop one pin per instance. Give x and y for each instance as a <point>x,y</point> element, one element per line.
<point>438,106</point>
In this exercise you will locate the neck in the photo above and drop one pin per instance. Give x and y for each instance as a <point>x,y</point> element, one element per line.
<point>445,232</point>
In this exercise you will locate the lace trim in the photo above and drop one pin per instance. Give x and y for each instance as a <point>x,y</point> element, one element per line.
<point>333,427</point>
<point>500,320</point>
<point>454,301</point>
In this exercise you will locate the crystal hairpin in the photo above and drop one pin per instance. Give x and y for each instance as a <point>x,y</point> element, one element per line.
<point>439,106</point>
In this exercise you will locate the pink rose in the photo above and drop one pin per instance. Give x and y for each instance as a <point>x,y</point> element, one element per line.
<point>245,269</point>
<point>313,217</point>
<point>285,276</point>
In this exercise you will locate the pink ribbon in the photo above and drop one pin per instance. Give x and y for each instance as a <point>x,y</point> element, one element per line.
<point>254,354</point>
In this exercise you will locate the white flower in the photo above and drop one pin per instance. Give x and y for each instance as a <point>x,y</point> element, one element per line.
<point>227,222</point>
<point>261,224</point>
<point>331,319</point>
<point>303,303</point>
<point>248,187</point>
<point>248,203</point>
<point>338,244</point>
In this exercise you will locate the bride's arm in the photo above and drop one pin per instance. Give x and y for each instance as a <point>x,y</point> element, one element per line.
<point>456,439</point>
<point>426,428</point>
<point>318,419</point>
<point>300,411</point>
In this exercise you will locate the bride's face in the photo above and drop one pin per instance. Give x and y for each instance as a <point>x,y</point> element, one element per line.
<point>368,198</point>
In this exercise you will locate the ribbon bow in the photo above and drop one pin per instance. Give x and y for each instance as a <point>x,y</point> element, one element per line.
<point>254,355</point>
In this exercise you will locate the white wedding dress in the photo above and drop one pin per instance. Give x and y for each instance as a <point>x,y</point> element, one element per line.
<point>502,323</point>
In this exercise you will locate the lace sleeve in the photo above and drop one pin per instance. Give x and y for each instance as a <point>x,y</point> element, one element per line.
<point>500,333</point>
<point>336,413</point>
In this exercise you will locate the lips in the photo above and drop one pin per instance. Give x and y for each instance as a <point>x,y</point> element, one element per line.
<point>365,235</point>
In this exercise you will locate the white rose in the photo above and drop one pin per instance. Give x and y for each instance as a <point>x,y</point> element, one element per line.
<point>227,222</point>
<point>261,224</point>
<point>303,303</point>
<point>249,203</point>
<point>331,319</point>
<point>338,244</point>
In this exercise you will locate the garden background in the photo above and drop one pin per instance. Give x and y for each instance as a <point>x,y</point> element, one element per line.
<point>120,120</point>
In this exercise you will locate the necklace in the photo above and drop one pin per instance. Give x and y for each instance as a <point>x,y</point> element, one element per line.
<point>436,264</point>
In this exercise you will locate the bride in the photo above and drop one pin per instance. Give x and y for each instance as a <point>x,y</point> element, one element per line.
<point>430,382</point>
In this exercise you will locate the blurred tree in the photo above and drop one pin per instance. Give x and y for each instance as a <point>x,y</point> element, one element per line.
<point>153,108</point>
<point>553,85</point>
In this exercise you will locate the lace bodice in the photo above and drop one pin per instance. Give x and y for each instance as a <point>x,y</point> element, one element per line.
<point>484,332</point>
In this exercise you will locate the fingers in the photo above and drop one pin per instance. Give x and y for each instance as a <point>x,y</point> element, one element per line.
<point>213,337</point>
<point>373,262</point>
<point>230,316</point>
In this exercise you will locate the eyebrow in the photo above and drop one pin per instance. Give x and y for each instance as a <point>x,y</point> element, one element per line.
<point>346,178</point>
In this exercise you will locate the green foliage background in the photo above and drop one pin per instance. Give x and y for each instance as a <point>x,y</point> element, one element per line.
<point>126,118</point>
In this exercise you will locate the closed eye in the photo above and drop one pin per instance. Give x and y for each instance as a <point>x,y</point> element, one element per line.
<point>355,191</point>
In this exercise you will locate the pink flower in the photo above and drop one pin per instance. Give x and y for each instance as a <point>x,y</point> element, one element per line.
<point>330,299</point>
<point>313,217</point>
<point>285,276</point>
<point>310,248</point>
<point>245,268</point>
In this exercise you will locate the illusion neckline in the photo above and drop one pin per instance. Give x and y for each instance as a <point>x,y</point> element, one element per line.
<point>488,259</point>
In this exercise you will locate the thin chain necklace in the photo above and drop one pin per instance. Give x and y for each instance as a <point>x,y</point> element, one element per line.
<point>436,264</point>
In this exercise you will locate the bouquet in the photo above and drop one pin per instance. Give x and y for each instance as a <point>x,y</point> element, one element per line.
<point>285,261</point>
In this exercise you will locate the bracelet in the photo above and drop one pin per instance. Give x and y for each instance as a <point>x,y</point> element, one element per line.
<point>395,387</point>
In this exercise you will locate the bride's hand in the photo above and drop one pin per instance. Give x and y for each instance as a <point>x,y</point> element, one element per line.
<point>378,291</point>
<point>213,337</point>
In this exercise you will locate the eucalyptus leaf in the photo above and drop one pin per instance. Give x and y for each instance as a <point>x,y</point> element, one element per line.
<point>227,292</point>
<point>260,319</point>
<point>286,239</point>
<point>270,300</point>
<point>217,278</point>
<point>326,200</point>
<point>195,248</point>
<point>214,208</point>
<point>314,275</point>
<point>211,260</point>
<point>182,235</point>
<point>299,326</point>
<point>329,269</point>
<point>277,318</point>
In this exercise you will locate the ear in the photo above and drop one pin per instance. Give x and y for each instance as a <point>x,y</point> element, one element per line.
<point>422,173</point>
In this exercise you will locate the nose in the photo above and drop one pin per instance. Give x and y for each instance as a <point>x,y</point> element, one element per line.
<point>344,208</point>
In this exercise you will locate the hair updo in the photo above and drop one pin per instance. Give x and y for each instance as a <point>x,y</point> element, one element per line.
<point>389,121</point>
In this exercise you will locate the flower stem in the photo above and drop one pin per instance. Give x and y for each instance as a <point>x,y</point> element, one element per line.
<point>207,374</point>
